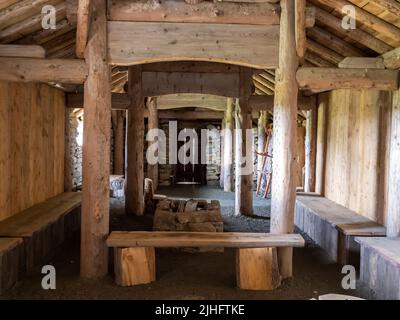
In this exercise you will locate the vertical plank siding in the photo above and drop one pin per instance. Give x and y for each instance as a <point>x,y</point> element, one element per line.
<point>32,126</point>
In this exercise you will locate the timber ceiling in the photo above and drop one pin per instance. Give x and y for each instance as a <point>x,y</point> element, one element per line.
<point>378,29</point>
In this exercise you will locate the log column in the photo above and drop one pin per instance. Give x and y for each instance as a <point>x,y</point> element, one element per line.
<point>393,214</point>
<point>247,167</point>
<point>152,169</point>
<point>310,148</point>
<point>238,158</point>
<point>228,146</point>
<point>134,197</point>
<point>284,156</point>
<point>323,102</point>
<point>118,120</point>
<point>262,137</point>
<point>96,149</point>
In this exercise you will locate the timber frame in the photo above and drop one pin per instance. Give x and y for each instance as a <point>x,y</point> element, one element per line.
<point>122,52</point>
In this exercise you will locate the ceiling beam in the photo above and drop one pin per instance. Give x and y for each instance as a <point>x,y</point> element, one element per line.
<point>43,70</point>
<point>132,43</point>
<point>391,59</point>
<point>82,28</point>
<point>325,79</point>
<point>22,51</point>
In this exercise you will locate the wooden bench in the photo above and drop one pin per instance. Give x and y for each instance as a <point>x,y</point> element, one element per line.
<point>256,263</point>
<point>10,252</point>
<point>43,227</point>
<point>334,227</point>
<point>380,266</point>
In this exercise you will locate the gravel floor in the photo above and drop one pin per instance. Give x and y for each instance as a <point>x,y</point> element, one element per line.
<point>183,275</point>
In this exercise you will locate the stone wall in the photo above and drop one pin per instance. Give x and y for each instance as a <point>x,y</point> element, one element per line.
<point>75,150</point>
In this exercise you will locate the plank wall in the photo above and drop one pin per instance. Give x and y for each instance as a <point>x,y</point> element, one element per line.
<point>32,126</point>
<point>356,155</point>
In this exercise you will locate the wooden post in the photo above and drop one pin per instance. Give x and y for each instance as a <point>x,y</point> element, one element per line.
<point>262,136</point>
<point>118,119</point>
<point>228,143</point>
<point>68,161</point>
<point>152,169</point>
<point>96,149</point>
<point>323,103</point>
<point>310,148</point>
<point>285,114</point>
<point>246,178</point>
<point>134,201</point>
<point>393,214</point>
<point>238,157</point>
<point>222,151</point>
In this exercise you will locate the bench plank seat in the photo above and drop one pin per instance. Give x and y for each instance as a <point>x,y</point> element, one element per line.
<point>334,227</point>
<point>126,239</point>
<point>34,219</point>
<point>43,227</point>
<point>380,266</point>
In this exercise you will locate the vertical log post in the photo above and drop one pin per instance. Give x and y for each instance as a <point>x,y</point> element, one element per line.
<point>96,149</point>
<point>228,144</point>
<point>152,169</point>
<point>246,188</point>
<point>310,147</point>
<point>222,152</point>
<point>393,204</point>
<point>285,114</point>
<point>118,119</point>
<point>323,102</point>
<point>262,137</point>
<point>238,158</point>
<point>134,196</point>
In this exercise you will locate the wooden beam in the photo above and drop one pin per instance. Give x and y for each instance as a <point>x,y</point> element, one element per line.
<point>21,51</point>
<point>188,115</point>
<point>323,105</point>
<point>366,18</point>
<point>228,146</point>
<point>311,147</point>
<point>152,169</point>
<point>82,27</point>
<point>247,166</point>
<point>43,70</point>
<point>190,66</point>
<point>266,103</point>
<point>334,78</point>
<point>362,63</point>
<point>134,203</point>
<point>391,59</point>
<point>285,123</point>
<point>96,151</point>
<point>326,53</point>
<point>175,101</point>
<point>393,202</point>
<point>358,35</point>
<point>133,43</point>
<point>262,13</point>
<point>162,83</point>
<point>118,121</point>
<point>301,38</point>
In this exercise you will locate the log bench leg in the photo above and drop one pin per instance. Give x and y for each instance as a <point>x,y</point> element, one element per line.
<point>134,266</point>
<point>257,269</point>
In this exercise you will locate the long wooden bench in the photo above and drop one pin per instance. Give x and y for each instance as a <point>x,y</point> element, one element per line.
<point>10,253</point>
<point>43,227</point>
<point>380,266</point>
<point>256,267</point>
<point>334,227</point>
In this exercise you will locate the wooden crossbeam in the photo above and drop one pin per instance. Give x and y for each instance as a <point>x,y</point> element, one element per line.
<point>82,28</point>
<point>21,51</point>
<point>391,59</point>
<point>261,13</point>
<point>324,79</point>
<point>43,70</point>
<point>161,83</point>
<point>131,43</point>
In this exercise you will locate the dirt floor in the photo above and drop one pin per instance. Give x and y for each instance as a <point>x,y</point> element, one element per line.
<point>188,275</point>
